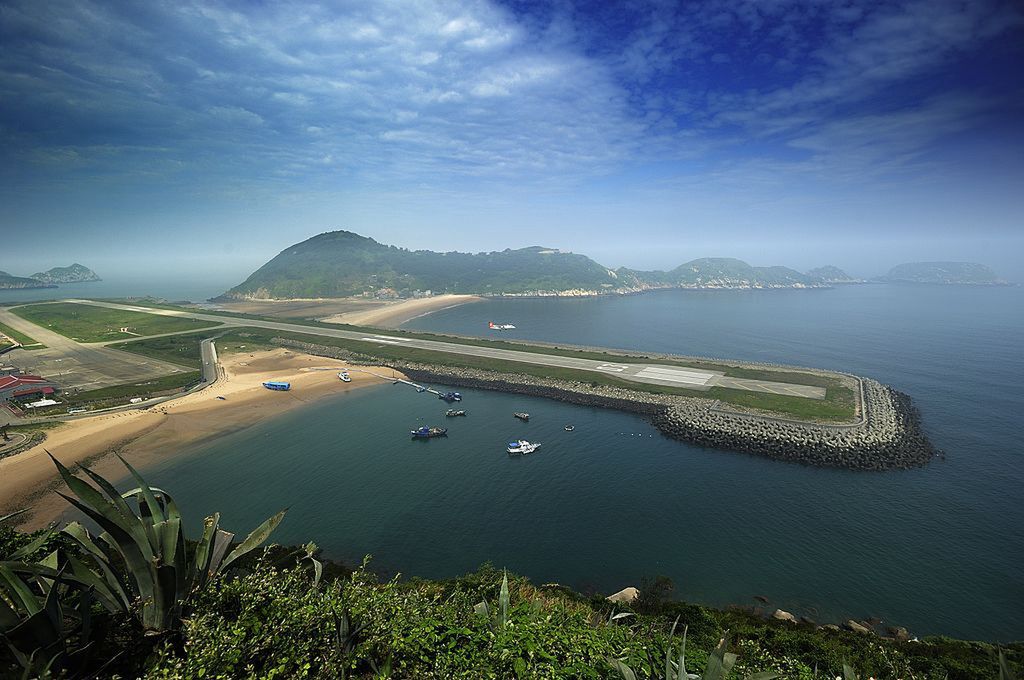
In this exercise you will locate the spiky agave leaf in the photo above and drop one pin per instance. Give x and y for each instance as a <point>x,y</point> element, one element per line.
<point>503,598</point>
<point>258,536</point>
<point>625,671</point>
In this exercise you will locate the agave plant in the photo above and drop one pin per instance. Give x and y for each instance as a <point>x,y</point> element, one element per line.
<point>499,618</point>
<point>160,574</point>
<point>45,614</point>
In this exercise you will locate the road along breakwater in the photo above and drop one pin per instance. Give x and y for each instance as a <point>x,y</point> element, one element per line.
<point>887,436</point>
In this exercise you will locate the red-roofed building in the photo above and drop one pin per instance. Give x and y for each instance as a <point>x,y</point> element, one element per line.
<point>20,386</point>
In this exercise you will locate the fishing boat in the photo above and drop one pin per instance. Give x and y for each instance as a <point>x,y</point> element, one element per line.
<point>500,326</point>
<point>275,385</point>
<point>522,416</point>
<point>429,432</point>
<point>451,413</point>
<point>450,396</point>
<point>522,447</point>
<point>570,428</point>
<point>345,377</point>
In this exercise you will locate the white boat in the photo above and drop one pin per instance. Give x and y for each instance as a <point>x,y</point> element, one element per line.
<point>345,377</point>
<point>522,446</point>
<point>500,326</point>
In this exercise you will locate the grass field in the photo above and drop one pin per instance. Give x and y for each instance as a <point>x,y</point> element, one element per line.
<point>20,337</point>
<point>86,323</point>
<point>837,406</point>
<point>177,349</point>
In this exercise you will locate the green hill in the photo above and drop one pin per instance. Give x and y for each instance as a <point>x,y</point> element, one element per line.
<point>341,264</point>
<point>956,273</point>
<point>76,273</point>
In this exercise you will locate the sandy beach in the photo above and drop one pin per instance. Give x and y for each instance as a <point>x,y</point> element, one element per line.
<point>394,314</point>
<point>145,435</point>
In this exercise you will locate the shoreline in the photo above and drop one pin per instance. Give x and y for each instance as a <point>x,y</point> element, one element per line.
<point>394,314</point>
<point>145,436</point>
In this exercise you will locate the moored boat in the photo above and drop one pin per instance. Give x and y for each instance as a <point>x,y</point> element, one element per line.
<point>522,447</point>
<point>450,396</point>
<point>522,416</point>
<point>345,377</point>
<point>428,432</point>
<point>451,413</point>
<point>570,428</point>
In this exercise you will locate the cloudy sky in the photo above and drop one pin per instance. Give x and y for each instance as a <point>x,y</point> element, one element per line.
<point>152,134</point>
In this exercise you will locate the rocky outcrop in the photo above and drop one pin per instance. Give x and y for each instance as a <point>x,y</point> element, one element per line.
<point>781,615</point>
<point>626,595</point>
<point>886,436</point>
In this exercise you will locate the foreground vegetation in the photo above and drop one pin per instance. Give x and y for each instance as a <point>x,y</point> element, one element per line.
<point>86,323</point>
<point>141,601</point>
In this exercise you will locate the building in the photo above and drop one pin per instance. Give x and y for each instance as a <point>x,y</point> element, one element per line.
<point>22,387</point>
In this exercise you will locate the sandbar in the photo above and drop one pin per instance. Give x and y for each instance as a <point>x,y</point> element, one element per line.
<point>394,314</point>
<point>146,435</point>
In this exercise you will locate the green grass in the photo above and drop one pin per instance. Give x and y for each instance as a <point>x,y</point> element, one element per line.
<point>142,388</point>
<point>20,337</point>
<point>86,323</point>
<point>176,349</point>
<point>837,406</point>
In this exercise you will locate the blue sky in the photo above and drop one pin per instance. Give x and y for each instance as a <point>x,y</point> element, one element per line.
<point>187,135</point>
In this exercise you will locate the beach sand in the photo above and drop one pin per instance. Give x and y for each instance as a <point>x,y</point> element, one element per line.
<point>394,314</point>
<point>27,479</point>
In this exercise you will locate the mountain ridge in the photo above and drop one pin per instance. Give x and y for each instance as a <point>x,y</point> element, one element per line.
<point>343,264</point>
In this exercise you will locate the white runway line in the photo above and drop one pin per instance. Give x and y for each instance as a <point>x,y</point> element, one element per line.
<point>672,375</point>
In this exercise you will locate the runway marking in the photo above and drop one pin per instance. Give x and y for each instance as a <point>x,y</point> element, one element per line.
<point>612,368</point>
<point>388,337</point>
<point>382,341</point>
<point>673,375</point>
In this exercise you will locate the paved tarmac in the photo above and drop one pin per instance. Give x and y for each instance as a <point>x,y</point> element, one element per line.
<point>653,374</point>
<point>76,366</point>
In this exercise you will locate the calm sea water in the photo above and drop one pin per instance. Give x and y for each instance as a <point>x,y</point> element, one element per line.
<point>939,549</point>
<point>175,288</point>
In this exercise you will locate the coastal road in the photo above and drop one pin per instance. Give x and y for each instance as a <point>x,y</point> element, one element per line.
<point>76,366</point>
<point>653,374</point>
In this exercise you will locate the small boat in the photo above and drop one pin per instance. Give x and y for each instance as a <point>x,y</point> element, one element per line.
<point>450,396</point>
<point>522,416</point>
<point>570,428</point>
<point>522,447</point>
<point>280,386</point>
<point>421,388</point>
<point>500,326</point>
<point>345,377</point>
<point>451,413</point>
<point>429,432</point>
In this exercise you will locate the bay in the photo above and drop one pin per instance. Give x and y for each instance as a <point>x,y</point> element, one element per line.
<point>937,549</point>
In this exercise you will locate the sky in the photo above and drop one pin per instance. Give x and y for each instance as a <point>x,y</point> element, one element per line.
<point>182,137</point>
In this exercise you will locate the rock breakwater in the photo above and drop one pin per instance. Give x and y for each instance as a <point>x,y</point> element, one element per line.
<point>886,436</point>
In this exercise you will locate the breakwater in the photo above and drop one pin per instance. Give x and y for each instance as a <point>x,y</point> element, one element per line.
<point>887,435</point>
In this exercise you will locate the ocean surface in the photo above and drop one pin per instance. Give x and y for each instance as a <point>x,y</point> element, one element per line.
<point>939,550</point>
<point>176,288</point>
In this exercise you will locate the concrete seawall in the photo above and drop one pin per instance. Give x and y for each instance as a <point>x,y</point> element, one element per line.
<point>887,436</point>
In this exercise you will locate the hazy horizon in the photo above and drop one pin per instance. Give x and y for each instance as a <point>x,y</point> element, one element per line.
<point>179,138</point>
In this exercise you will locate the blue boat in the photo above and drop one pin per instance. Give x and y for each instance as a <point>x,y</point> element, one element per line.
<point>429,432</point>
<point>274,385</point>
<point>450,396</point>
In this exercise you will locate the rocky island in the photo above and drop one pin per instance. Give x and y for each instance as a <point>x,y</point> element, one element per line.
<point>11,282</point>
<point>76,273</point>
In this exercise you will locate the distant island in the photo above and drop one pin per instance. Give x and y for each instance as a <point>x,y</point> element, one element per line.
<point>11,282</point>
<point>76,273</point>
<point>833,275</point>
<point>944,273</point>
<point>345,264</point>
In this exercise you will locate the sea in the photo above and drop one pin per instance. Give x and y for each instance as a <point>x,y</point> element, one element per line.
<point>939,549</point>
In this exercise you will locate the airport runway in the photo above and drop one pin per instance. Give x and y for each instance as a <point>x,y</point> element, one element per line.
<point>653,374</point>
<point>76,366</point>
